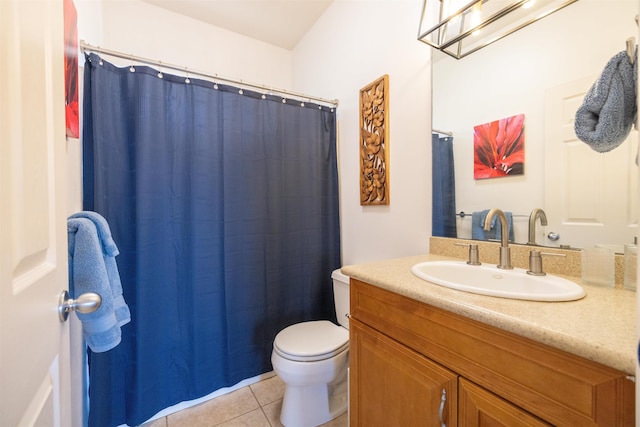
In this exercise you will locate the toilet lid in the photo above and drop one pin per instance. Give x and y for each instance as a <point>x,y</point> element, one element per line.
<point>309,341</point>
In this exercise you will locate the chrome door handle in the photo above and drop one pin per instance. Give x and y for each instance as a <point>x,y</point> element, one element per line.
<point>86,303</point>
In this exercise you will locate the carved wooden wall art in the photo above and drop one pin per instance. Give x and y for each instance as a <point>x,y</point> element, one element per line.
<point>374,143</point>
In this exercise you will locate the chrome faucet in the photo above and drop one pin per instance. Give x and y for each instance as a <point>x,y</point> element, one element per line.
<point>505,252</point>
<point>535,214</point>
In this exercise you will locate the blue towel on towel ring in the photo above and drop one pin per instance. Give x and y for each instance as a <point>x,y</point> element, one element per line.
<point>477,226</point>
<point>92,268</point>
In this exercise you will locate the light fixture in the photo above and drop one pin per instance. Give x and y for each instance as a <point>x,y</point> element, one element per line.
<point>461,27</point>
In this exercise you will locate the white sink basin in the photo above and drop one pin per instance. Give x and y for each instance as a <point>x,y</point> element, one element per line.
<point>487,279</point>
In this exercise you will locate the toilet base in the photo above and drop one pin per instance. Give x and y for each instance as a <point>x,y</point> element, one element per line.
<point>311,406</point>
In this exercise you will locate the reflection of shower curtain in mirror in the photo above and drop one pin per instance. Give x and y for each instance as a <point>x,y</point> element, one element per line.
<point>225,210</point>
<point>443,185</point>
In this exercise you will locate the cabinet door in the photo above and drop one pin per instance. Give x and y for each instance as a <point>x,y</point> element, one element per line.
<point>393,386</point>
<point>478,407</point>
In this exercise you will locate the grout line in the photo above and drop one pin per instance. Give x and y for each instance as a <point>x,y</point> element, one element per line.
<point>266,416</point>
<point>261,406</point>
<point>244,413</point>
<point>254,394</point>
<point>240,416</point>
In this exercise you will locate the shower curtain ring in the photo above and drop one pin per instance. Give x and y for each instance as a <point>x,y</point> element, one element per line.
<point>187,80</point>
<point>132,68</point>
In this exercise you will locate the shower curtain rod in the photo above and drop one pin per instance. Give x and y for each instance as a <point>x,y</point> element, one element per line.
<point>88,47</point>
<point>442,132</point>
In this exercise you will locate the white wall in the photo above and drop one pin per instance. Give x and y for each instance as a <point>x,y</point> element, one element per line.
<point>352,44</point>
<point>144,30</point>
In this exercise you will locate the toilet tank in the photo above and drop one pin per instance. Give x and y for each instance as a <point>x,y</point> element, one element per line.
<point>341,296</point>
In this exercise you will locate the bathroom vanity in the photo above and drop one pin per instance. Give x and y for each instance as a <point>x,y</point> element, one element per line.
<point>425,355</point>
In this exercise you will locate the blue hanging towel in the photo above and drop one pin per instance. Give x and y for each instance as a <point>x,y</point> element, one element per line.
<point>109,252</point>
<point>93,269</point>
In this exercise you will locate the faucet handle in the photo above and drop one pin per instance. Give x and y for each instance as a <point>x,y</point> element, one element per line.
<point>535,262</point>
<point>474,254</point>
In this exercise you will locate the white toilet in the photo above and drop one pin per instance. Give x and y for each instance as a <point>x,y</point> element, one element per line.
<point>312,358</point>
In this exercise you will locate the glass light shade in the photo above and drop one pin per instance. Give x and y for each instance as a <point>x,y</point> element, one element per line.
<point>461,27</point>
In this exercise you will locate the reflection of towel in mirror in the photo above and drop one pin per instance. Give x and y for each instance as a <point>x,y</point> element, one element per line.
<point>604,119</point>
<point>477,226</point>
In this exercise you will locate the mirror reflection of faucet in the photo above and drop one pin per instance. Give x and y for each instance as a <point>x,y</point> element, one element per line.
<point>535,214</point>
<point>505,251</point>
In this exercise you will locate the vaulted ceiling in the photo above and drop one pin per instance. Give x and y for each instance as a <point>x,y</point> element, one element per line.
<point>279,22</point>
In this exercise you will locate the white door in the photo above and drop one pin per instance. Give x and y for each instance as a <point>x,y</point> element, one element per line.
<point>34,344</point>
<point>590,197</point>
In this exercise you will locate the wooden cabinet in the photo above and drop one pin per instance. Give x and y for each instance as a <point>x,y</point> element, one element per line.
<point>404,352</point>
<point>395,386</point>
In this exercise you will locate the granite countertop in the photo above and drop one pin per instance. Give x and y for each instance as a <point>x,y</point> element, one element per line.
<point>600,327</point>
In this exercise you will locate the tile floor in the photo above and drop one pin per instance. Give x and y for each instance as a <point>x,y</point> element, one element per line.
<point>256,405</point>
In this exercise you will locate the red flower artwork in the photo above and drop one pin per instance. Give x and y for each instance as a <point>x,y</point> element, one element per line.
<point>499,148</point>
<point>71,69</point>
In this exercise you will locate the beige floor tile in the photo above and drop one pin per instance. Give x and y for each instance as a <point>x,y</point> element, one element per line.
<point>272,411</point>
<point>258,405</point>
<point>215,411</point>
<point>255,418</point>
<point>269,390</point>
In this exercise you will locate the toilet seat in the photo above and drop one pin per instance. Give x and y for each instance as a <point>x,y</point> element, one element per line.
<point>311,341</point>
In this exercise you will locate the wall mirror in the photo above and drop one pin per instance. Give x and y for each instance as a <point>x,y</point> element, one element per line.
<point>543,71</point>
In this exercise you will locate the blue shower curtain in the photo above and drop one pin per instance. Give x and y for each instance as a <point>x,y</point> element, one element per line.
<point>443,187</point>
<point>225,209</point>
